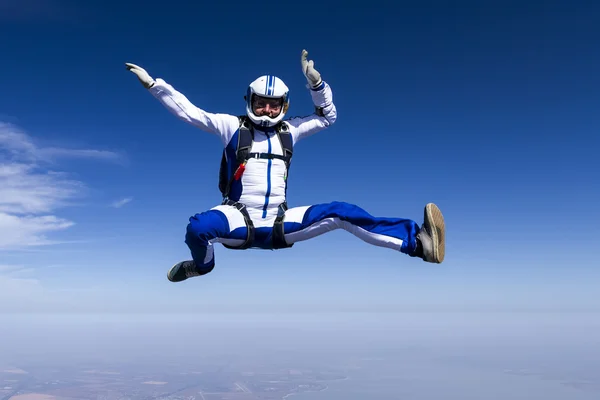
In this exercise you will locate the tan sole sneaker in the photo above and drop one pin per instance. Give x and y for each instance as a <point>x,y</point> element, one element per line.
<point>435,226</point>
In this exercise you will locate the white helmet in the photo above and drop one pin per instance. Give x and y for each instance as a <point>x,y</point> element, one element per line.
<point>271,87</point>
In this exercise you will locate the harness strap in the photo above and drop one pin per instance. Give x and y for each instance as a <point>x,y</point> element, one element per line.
<point>244,144</point>
<point>268,156</point>
<point>278,231</point>
<point>249,225</point>
<point>243,154</point>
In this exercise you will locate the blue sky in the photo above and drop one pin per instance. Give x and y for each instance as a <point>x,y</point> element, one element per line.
<point>492,112</point>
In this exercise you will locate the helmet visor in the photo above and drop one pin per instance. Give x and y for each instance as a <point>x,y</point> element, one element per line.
<point>266,106</point>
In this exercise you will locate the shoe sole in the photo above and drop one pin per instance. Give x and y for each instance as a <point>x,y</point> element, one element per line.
<point>175,269</point>
<point>437,230</point>
<point>172,272</point>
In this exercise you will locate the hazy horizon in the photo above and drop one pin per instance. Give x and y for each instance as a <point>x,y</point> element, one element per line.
<point>408,355</point>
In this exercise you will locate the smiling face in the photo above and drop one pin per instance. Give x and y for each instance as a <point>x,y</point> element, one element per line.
<point>266,106</point>
<point>267,101</point>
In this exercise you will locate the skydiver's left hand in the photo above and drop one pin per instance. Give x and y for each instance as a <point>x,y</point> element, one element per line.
<point>308,68</point>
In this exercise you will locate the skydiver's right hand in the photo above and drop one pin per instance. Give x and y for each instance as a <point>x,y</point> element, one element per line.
<point>141,74</point>
<point>308,68</point>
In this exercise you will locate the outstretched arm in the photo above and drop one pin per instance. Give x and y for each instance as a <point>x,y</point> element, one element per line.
<point>222,125</point>
<point>325,112</point>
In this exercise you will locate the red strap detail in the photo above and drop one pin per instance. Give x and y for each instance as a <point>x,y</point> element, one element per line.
<point>239,171</point>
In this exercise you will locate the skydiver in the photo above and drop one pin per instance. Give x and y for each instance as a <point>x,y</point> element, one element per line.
<point>253,180</point>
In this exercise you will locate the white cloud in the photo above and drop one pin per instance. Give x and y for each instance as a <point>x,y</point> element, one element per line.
<point>31,193</point>
<point>29,230</point>
<point>17,145</point>
<point>121,203</point>
<point>54,152</point>
<point>26,188</point>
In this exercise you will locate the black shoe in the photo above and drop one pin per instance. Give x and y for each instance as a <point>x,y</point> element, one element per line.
<point>183,270</point>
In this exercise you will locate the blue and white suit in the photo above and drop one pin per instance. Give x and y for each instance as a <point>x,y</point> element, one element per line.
<point>262,188</point>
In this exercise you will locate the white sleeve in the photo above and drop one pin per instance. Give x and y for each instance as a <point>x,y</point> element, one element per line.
<point>323,117</point>
<point>222,125</point>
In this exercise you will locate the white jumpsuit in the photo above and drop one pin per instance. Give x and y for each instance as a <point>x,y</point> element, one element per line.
<point>262,188</point>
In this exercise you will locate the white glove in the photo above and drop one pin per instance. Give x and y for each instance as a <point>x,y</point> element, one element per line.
<point>312,75</point>
<point>142,75</point>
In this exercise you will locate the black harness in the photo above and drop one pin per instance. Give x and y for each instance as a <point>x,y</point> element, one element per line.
<point>243,154</point>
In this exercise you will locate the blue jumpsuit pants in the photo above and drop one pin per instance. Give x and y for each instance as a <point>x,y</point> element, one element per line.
<point>225,224</point>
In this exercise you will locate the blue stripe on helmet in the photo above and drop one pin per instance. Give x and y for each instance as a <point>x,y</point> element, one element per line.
<point>267,85</point>
<point>273,86</point>
<point>270,81</point>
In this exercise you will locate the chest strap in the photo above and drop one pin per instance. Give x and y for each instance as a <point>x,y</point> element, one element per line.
<point>268,156</point>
